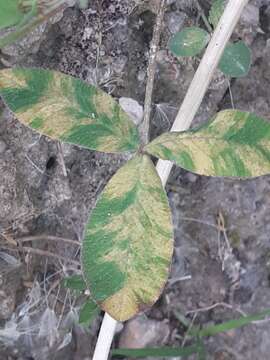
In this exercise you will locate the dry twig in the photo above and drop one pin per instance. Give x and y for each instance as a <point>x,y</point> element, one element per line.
<point>152,70</point>
<point>41,253</point>
<point>47,238</point>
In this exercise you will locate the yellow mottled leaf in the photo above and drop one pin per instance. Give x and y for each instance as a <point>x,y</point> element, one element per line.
<point>234,143</point>
<point>68,109</point>
<point>128,245</point>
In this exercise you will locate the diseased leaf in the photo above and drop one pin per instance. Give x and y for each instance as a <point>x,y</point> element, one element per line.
<point>87,313</point>
<point>68,109</point>
<point>128,245</point>
<point>75,282</point>
<point>10,13</point>
<point>216,12</point>
<point>234,143</point>
<point>189,42</point>
<point>236,60</point>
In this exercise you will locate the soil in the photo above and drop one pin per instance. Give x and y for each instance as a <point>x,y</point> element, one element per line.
<point>49,189</point>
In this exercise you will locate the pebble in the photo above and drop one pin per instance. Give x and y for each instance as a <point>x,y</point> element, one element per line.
<point>141,332</point>
<point>132,108</point>
<point>3,146</point>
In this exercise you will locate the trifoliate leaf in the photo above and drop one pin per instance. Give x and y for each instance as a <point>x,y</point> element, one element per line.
<point>216,12</point>
<point>236,60</point>
<point>87,313</point>
<point>68,109</point>
<point>189,42</point>
<point>127,250</point>
<point>234,143</point>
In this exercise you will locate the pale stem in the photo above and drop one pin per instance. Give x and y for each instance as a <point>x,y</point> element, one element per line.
<point>186,114</point>
<point>105,338</point>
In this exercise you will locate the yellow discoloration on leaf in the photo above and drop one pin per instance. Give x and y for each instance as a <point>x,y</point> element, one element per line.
<point>7,80</point>
<point>143,246</point>
<point>67,109</point>
<point>234,143</point>
<point>223,121</point>
<point>104,103</point>
<point>123,300</point>
<point>45,110</point>
<point>50,107</point>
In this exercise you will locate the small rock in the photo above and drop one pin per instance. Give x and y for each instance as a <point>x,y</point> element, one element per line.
<point>251,15</point>
<point>132,108</point>
<point>191,177</point>
<point>2,146</point>
<point>141,332</point>
<point>141,76</point>
<point>87,33</point>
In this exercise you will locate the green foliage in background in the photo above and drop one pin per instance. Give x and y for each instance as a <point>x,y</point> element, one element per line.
<point>22,16</point>
<point>197,335</point>
<point>189,42</point>
<point>216,11</point>
<point>10,13</point>
<point>89,309</point>
<point>236,59</point>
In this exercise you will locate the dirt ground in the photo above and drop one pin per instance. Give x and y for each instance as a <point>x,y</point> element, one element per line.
<point>49,189</point>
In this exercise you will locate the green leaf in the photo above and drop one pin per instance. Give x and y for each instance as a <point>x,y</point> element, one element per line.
<point>232,324</point>
<point>87,313</point>
<point>199,347</point>
<point>216,12</point>
<point>236,60</point>
<point>189,42</point>
<point>158,352</point>
<point>234,143</point>
<point>75,282</point>
<point>127,250</point>
<point>10,14</point>
<point>68,109</point>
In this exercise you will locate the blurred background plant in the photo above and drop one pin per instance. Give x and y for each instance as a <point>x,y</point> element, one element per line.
<point>22,16</point>
<point>191,41</point>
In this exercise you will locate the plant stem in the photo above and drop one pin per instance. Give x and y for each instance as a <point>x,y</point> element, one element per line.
<point>105,338</point>
<point>204,18</point>
<point>47,238</point>
<point>151,71</point>
<point>41,253</point>
<point>186,114</point>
